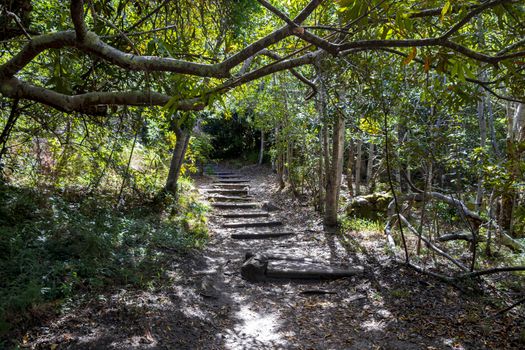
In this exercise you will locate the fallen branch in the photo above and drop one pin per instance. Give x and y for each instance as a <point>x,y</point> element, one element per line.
<point>458,237</point>
<point>439,276</point>
<point>492,271</point>
<point>463,210</point>
<point>519,302</point>
<point>389,239</point>
<point>431,245</point>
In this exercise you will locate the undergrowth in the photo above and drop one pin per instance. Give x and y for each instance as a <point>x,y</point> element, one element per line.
<point>55,246</point>
<point>352,223</point>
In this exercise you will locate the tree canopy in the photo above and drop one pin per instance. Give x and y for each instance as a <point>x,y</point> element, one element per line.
<point>200,46</point>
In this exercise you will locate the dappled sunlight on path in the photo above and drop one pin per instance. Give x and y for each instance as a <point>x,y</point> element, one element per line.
<point>254,329</point>
<point>207,304</point>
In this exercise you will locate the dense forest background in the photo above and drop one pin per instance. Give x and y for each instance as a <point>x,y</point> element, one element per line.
<point>403,117</point>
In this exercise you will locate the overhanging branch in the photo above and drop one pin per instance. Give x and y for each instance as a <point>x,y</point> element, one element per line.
<point>92,101</point>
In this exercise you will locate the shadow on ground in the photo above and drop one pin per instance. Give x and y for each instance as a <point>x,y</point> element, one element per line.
<point>207,305</point>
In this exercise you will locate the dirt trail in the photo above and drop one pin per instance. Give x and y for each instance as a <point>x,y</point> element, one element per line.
<point>208,305</point>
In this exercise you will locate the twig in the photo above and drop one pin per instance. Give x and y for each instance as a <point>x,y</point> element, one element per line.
<point>19,23</point>
<point>502,311</point>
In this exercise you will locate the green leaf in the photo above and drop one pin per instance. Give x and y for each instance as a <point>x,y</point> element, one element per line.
<point>446,9</point>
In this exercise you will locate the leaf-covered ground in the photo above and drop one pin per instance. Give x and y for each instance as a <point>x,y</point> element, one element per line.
<point>205,304</point>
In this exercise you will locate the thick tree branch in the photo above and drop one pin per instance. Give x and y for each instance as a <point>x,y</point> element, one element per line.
<point>89,102</point>
<point>307,11</point>
<point>427,42</point>
<point>90,43</point>
<point>300,31</point>
<point>483,84</point>
<point>271,68</point>
<point>85,103</point>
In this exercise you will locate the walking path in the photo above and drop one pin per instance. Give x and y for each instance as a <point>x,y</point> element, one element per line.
<point>212,301</point>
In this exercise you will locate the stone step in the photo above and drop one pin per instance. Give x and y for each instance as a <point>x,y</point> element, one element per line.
<point>252,224</point>
<point>260,235</point>
<point>230,198</point>
<point>241,191</point>
<point>226,205</point>
<point>230,176</point>
<point>231,181</point>
<point>230,186</point>
<point>219,173</point>
<point>246,215</point>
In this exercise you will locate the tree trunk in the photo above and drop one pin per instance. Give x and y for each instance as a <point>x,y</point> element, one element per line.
<point>181,144</point>
<point>515,137</point>
<point>349,168</point>
<point>428,188</point>
<point>490,120</point>
<point>261,149</point>
<point>482,143</point>
<point>397,172</point>
<point>359,153</point>
<point>370,167</point>
<point>324,161</point>
<point>333,178</point>
<point>321,170</point>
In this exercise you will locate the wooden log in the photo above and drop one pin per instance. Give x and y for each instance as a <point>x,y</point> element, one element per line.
<point>246,215</point>
<point>260,235</point>
<point>298,270</point>
<point>510,242</point>
<point>226,205</point>
<point>260,268</point>
<point>252,224</point>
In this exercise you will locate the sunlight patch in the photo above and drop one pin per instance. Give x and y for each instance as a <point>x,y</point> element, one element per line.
<point>254,329</point>
<point>373,325</point>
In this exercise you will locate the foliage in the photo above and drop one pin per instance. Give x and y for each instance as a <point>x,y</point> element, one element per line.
<point>199,152</point>
<point>350,223</point>
<point>231,136</point>
<point>57,245</point>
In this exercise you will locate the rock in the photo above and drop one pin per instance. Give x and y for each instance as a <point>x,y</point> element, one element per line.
<point>372,206</point>
<point>269,206</point>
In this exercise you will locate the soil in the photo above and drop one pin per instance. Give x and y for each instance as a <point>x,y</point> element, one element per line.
<point>208,305</point>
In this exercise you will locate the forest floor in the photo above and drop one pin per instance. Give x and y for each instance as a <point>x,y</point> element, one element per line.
<point>206,304</point>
